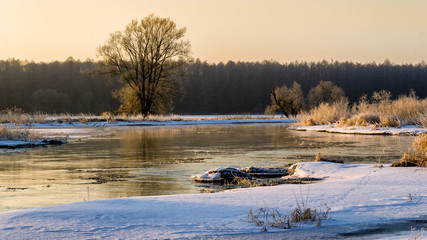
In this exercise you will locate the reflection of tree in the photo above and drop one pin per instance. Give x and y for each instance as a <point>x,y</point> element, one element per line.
<point>154,146</point>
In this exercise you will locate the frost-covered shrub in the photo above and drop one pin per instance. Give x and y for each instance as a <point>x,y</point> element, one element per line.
<point>326,113</point>
<point>17,134</point>
<point>390,121</point>
<point>380,110</point>
<point>361,119</point>
<point>417,156</point>
<point>18,116</point>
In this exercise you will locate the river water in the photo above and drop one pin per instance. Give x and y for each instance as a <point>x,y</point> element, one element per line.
<point>144,161</point>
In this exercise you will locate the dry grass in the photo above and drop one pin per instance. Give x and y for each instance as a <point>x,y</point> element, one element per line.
<point>17,116</point>
<point>360,119</point>
<point>421,119</point>
<point>379,164</point>
<point>260,182</point>
<point>391,113</point>
<point>322,158</point>
<point>380,110</point>
<point>302,214</point>
<point>111,118</point>
<point>416,156</point>
<point>417,235</point>
<point>326,113</point>
<point>18,134</point>
<point>390,121</point>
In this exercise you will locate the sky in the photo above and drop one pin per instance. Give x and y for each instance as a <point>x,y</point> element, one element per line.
<point>223,30</point>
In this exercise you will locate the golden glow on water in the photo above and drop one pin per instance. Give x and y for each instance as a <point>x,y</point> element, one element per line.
<point>143,161</point>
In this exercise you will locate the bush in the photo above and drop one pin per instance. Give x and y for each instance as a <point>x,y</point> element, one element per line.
<point>326,113</point>
<point>361,119</point>
<point>380,110</point>
<point>325,92</point>
<point>287,101</point>
<point>390,121</point>
<point>417,156</point>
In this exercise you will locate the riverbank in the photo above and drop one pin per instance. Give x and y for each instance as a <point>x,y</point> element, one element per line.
<point>361,198</point>
<point>57,129</point>
<point>368,130</point>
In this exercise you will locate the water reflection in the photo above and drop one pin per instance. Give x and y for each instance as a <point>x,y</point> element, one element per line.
<point>141,161</point>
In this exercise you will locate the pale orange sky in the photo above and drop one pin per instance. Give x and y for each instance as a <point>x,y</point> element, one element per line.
<point>222,30</point>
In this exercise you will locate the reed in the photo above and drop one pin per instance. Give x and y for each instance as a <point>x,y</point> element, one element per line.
<point>18,134</point>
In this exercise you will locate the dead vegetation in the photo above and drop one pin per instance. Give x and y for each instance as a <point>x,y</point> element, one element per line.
<point>379,111</point>
<point>417,234</point>
<point>18,134</point>
<point>111,118</point>
<point>302,214</point>
<point>326,113</point>
<point>416,156</point>
<point>270,182</point>
<point>260,182</point>
<point>18,116</point>
<point>322,158</point>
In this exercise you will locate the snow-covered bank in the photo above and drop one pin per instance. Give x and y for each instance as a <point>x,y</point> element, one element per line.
<point>404,130</point>
<point>76,129</point>
<point>184,121</point>
<point>359,195</point>
<point>12,144</point>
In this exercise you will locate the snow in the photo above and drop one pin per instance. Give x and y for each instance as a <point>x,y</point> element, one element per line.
<point>406,129</point>
<point>30,143</point>
<point>191,121</point>
<point>12,143</point>
<point>360,196</point>
<point>78,130</point>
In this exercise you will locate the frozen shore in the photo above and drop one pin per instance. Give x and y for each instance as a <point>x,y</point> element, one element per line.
<point>75,130</point>
<point>362,199</point>
<point>404,130</point>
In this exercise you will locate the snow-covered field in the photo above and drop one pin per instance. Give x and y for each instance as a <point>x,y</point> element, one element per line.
<point>364,200</point>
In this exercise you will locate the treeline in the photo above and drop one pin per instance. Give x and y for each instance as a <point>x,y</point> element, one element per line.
<point>243,87</point>
<point>57,87</point>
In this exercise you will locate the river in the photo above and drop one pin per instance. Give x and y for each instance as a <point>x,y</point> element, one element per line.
<point>144,161</point>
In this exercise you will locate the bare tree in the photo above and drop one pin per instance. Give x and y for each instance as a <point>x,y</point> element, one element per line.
<point>146,57</point>
<point>288,101</point>
<point>325,92</point>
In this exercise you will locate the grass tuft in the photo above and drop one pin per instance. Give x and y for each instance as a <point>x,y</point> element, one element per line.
<point>302,214</point>
<point>326,113</point>
<point>416,156</point>
<point>18,134</point>
<point>417,235</point>
<point>18,116</point>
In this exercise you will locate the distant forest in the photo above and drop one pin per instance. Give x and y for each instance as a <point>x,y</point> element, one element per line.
<point>234,87</point>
